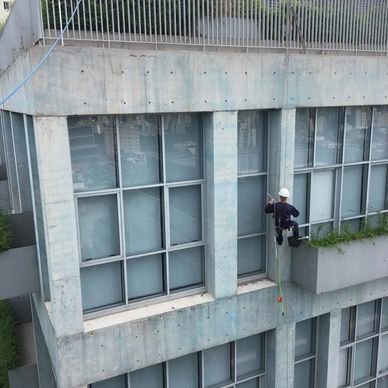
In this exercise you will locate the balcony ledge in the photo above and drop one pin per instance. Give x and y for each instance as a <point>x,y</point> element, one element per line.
<point>321,270</point>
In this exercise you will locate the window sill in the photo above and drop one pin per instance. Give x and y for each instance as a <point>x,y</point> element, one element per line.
<point>256,285</point>
<point>144,312</point>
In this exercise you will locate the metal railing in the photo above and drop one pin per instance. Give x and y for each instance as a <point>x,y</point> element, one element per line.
<point>346,25</point>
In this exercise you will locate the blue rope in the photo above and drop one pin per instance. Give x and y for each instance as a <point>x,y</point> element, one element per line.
<point>36,68</point>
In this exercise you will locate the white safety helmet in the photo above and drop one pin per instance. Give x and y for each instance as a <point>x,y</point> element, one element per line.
<point>284,193</point>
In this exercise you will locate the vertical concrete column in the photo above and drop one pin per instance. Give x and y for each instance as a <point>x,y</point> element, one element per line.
<point>221,203</point>
<point>280,170</point>
<point>280,358</point>
<point>329,334</point>
<point>43,363</point>
<point>56,186</point>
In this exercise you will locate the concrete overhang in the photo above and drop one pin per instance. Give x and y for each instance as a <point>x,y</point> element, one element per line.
<point>92,80</point>
<point>321,270</point>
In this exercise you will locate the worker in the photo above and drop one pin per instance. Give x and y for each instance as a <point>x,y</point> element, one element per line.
<point>282,212</point>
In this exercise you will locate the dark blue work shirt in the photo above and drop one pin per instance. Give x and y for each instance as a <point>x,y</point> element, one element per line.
<point>282,212</point>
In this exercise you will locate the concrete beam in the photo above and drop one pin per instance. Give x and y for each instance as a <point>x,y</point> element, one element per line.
<point>90,80</point>
<point>59,219</point>
<point>221,203</point>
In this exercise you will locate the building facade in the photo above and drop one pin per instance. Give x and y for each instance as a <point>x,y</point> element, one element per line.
<point>146,167</point>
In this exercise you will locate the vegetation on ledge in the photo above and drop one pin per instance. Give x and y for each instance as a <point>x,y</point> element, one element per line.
<point>367,230</point>
<point>8,344</point>
<point>5,237</point>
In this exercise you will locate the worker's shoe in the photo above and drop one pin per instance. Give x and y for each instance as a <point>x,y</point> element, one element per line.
<point>279,239</point>
<point>294,242</point>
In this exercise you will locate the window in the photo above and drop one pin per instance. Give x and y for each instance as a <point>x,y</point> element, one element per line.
<point>252,186</point>
<point>340,154</point>
<point>364,345</point>
<point>305,353</point>
<point>138,186</point>
<point>238,364</point>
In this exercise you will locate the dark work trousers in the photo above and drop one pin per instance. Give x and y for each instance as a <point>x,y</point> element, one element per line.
<point>287,225</point>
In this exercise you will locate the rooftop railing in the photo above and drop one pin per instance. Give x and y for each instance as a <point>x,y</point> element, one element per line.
<point>346,25</point>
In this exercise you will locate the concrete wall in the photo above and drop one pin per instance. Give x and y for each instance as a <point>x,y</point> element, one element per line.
<point>85,80</point>
<point>100,81</point>
<point>22,30</point>
<point>338,267</point>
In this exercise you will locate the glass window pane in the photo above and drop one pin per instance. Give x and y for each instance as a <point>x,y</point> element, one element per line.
<point>384,323</point>
<point>304,338</point>
<point>327,136</point>
<point>186,268</point>
<point>300,196</point>
<point>98,227</point>
<point>358,120</point>
<point>383,382</point>
<point>145,276</point>
<point>23,177</point>
<point>254,383</point>
<point>366,319</point>
<point>185,214</point>
<point>143,220</point>
<point>383,354</point>
<point>217,365</point>
<point>378,191</point>
<point>101,285</point>
<point>252,142</point>
<point>352,191</point>
<point>352,226</point>
<point>139,149</point>
<point>304,140</point>
<point>251,203</point>
<point>93,152</point>
<point>322,196</point>
<point>183,141</point>
<point>250,255</point>
<point>304,374</point>
<point>380,133</point>
<point>364,367</point>
<point>346,325</point>
<point>183,372</point>
<point>116,382</point>
<point>344,358</point>
<point>321,230</point>
<point>151,377</point>
<point>249,356</point>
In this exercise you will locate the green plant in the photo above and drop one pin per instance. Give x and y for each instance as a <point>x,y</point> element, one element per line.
<point>8,345</point>
<point>5,237</point>
<point>2,25</point>
<point>378,226</point>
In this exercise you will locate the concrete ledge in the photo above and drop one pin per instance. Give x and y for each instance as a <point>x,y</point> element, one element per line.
<point>19,273</point>
<point>23,377</point>
<point>320,270</point>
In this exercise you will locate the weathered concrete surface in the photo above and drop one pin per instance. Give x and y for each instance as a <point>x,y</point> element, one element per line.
<point>87,80</point>
<point>328,269</point>
<point>329,333</point>
<point>59,219</point>
<point>22,30</point>
<point>19,273</point>
<point>221,229</point>
<point>149,335</point>
<point>24,376</point>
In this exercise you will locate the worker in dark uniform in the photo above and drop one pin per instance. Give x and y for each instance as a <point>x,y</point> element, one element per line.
<point>282,212</point>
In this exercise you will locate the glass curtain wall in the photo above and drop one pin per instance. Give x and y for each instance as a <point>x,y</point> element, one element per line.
<point>363,360</point>
<point>238,364</point>
<point>341,166</point>
<point>138,186</point>
<point>252,185</point>
<point>305,353</point>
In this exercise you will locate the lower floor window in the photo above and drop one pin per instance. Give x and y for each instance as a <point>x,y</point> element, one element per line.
<point>238,364</point>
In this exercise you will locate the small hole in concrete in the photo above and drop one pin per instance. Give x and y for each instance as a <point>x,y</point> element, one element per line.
<point>365,73</point>
<point>226,72</point>
<point>309,72</point>
<point>171,72</point>
<point>172,102</point>
<point>82,71</point>
<point>226,100</point>
<point>274,99</point>
<point>292,73</point>
<point>274,72</point>
<point>84,103</point>
<point>148,72</point>
<point>333,98</point>
<point>245,100</point>
<point>122,71</point>
<point>204,72</point>
<point>363,96</point>
<point>149,102</point>
<point>309,98</point>
<point>205,101</point>
<point>124,102</point>
<point>246,73</point>
<point>350,73</point>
